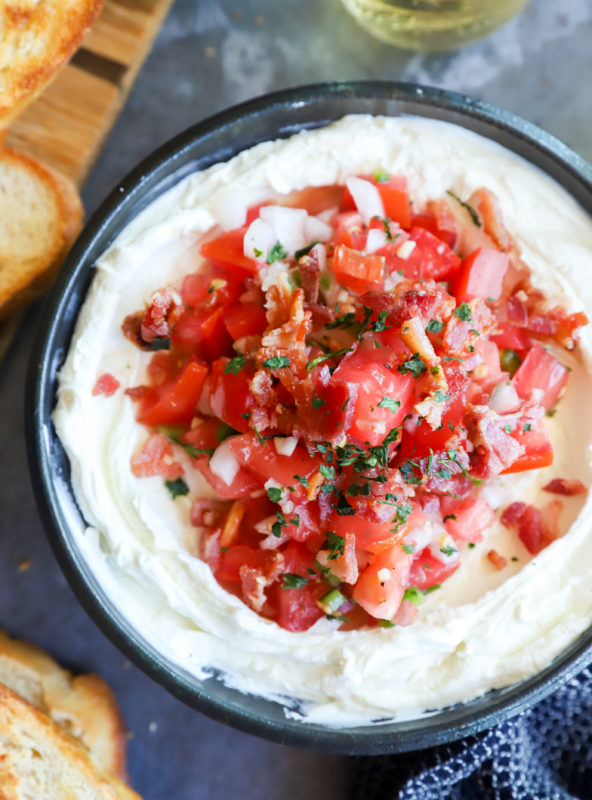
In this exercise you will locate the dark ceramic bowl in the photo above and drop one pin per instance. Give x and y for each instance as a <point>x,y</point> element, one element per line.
<point>218,139</point>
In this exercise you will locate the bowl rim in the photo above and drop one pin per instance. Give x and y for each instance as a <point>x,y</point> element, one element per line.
<point>41,437</point>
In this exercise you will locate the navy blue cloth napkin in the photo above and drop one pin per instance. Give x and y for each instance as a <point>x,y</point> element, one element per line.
<point>544,753</point>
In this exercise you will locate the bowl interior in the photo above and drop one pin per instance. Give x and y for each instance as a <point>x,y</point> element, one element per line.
<point>215,140</point>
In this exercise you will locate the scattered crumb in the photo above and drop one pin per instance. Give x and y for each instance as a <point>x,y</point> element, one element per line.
<point>258,20</point>
<point>152,727</point>
<point>210,52</point>
<point>24,565</point>
<point>126,664</point>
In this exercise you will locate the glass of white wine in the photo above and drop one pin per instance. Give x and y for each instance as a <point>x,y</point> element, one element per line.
<point>432,24</point>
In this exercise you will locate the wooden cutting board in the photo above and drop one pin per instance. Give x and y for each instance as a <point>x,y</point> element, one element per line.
<point>67,125</point>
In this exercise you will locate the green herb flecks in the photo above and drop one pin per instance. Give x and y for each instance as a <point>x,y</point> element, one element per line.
<point>160,343</point>
<point>509,360</point>
<point>276,362</point>
<point>291,580</point>
<point>235,365</point>
<point>392,405</point>
<point>473,214</point>
<point>335,543</point>
<point>319,359</point>
<point>177,487</point>
<point>463,312</point>
<point>275,494</point>
<point>434,326</point>
<point>277,253</point>
<point>413,366</point>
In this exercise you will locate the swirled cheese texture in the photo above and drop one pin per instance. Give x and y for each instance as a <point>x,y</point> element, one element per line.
<point>483,629</point>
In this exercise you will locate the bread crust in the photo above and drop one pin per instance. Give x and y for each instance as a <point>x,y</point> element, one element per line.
<point>25,284</point>
<point>83,705</point>
<point>37,39</point>
<point>36,752</point>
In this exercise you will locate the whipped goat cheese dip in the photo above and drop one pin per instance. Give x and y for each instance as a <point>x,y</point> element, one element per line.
<point>484,628</point>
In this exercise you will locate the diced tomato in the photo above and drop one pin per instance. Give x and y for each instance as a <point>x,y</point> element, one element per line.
<point>245,319</point>
<point>371,536</point>
<point>541,370</point>
<point>155,457</point>
<point>202,332</point>
<point>467,519</point>
<point>512,337</point>
<point>174,403</point>
<point>394,195</point>
<point>565,486</point>
<point>203,436</point>
<point>106,384</point>
<point>382,397</point>
<point>230,397</point>
<point>427,571</point>
<point>381,585</point>
<point>262,460</point>
<point>430,257</point>
<point>226,251</point>
<point>357,271</point>
<point>242,485</point>
<point>350,230</point>
<point>538,450</point>
<point>430,223</point>
<point>233,559</point>
<point>316,199</point>
<point>481,275</point>
<point>498,561</point>
<point>194,288</point>
<point>296,609</point>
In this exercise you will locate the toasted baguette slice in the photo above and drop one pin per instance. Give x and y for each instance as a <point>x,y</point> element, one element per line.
<point>36,39</point>
<point>38,759</point>
<point>40,216</point>
<point>83,705</point>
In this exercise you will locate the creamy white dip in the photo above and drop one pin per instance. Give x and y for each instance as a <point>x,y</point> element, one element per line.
<point>484,628</point>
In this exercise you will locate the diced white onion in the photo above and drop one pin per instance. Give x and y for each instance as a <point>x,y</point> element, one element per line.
<point>504,398</point>
<point>405,249</point>
<point>321,253</point>
<point>285,445</point>
<point>375,240</point>
<point>229,206</point>
<point>315,230</point>
<point>270,272</point>
<point>287,225</point>
<point>259,239</point>
<point>366,197</point>
<point>328,214</point>
<point>442,540</point>
<point>224,464</point>
<point>383,575</point>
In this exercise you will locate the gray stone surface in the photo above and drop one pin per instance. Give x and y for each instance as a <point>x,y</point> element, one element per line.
<point>210,55</point>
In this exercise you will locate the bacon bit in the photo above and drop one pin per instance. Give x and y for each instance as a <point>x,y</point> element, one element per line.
<point>565,486</point>
<point>495,450</point>
<point>232,525</point>
<point>315,482</point>
<point>406,614</point>
<point>414,336</point>
<point>155,457</point>
<point>487,204</point>
<point>408,300</point>
<point>24,565</point>
<point>210,550</point>
<point>137,392</point>
<point>208,513</point>
<point>498,561</point>
<point>512,514</point>
<point>344,567</point>
<point>157,316</point>
<point>550,518</point>
<point>310,276</point>
<point>131,328</point>
<point>106,385</point>
<point>255,580</point>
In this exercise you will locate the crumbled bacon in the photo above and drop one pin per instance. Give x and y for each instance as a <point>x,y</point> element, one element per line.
<point>409,300</point>
<point>528,520</point>
<point>131,328</point>
<point>565,486</point>
<point>208,513</point>
<point>155,457</point>
<point>488,207</point>
<point>255,580</point>
<point>210,550</point>
<point>106,384</point>
<point>551,513</point>
<point>512,514</point>
<point>158,316</point>
<point>310,276</point>
<point>494,448</point>
<point>498,561</point>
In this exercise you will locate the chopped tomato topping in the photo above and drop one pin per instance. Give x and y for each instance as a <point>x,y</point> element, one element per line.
<point>346,414</point>
<point>106,384</point>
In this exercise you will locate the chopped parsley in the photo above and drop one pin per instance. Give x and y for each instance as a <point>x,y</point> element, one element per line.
<point>392,405</point>
<point>317,402</point>
<point>335,543</point>
<point>319,359</point>
<point>279,525</point>
<point>463,312</point>
<point>298,254</point>
<point>235,365</point>
<point>408,548</point>
<point>414,595</point>
<point>224,430</point>
<point>448,516</point>
<point>292,581</point>
<point>380,176</point>
<point>441,397</point>
<point>527,428</point>
<point>301,479</point>
<point>191,450</point>
<point>386,623</point>
<point>448,550</point>
<point>276,362</point>
<point>473,214</point>
<point>277,253</point>
<point>160,343</point>
<point>275,494</point>
<point>327,472</point>
<point>434,326</point>
<point>177,488</point>
<point>413,366</point>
